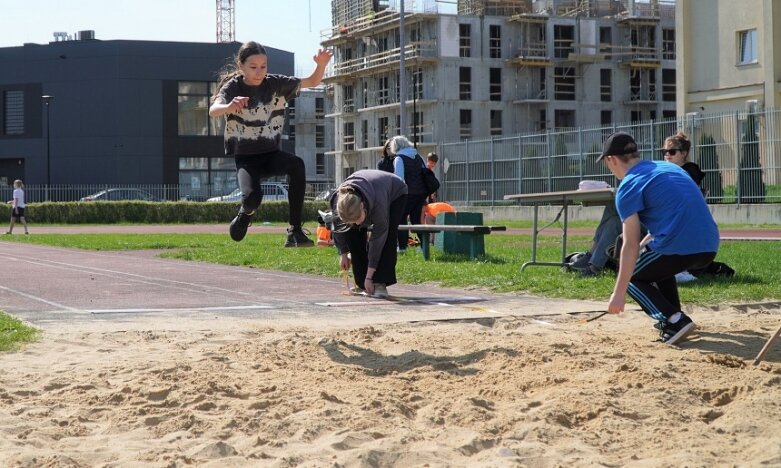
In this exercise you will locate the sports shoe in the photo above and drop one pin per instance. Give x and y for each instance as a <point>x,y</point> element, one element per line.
<point>672,333</point>
<point>590,270</point>
<point>297,238</point>
<point>239,225</point>
<point>380,291</point>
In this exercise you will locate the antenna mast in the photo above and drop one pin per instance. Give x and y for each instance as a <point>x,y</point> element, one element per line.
<point>226,20</point>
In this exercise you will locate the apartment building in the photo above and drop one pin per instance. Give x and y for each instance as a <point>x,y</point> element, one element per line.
<point>493,67</point>
<point>731,62</point>
<point>312,134</point>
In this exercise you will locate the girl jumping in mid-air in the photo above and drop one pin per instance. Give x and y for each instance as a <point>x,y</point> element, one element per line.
<point>253,103</point>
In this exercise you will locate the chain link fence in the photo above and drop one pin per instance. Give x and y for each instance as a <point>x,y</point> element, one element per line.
<point>740,153</point>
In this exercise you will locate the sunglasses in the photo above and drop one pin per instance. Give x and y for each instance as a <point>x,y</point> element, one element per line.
<point>671,152</point>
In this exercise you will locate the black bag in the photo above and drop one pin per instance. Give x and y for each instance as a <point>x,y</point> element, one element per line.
<point>714,269</point>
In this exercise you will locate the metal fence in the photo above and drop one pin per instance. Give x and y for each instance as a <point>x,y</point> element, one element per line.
<point>71,192</point>
<point>740,153</point>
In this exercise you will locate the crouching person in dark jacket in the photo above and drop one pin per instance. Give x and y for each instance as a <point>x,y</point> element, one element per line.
<point>369,199</point>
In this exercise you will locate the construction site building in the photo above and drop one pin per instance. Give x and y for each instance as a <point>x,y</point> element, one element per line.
<point>488,68</point>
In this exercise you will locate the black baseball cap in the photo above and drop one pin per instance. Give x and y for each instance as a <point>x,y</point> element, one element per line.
<point>618,144</point>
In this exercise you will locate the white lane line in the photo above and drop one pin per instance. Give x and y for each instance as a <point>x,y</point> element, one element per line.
<point>180,309</point>
<point>40,299</point>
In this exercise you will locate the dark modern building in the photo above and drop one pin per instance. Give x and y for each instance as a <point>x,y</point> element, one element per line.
<point>121,112</point>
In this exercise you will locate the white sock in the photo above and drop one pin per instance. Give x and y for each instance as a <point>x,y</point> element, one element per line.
<point>674,318</point>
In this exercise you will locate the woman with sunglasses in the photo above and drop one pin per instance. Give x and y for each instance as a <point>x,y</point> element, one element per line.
<point>366,199</point>
<point>676,150</point>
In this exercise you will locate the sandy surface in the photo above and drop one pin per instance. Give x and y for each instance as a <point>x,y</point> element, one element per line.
<point>492,392</point>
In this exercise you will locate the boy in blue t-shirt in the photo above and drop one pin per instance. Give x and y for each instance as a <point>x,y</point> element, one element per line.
<point>682,234</point>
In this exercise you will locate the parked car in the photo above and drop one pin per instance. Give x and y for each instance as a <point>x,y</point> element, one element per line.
<point>325,194</point>
<point>271,192</point>
<point>117,194</point>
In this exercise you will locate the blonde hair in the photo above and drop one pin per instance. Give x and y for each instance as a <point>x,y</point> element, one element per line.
<point>19,183</point>
<point>348,204</point>
<point>681,140</point>
<point>398,143</point>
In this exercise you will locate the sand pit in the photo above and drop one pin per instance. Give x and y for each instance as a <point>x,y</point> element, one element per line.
<point>537,392</point>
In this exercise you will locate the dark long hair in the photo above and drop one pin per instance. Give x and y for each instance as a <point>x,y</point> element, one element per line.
<point>246,50</point>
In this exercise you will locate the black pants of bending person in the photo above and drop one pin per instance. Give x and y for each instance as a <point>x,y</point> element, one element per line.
<point>252,169</point>
<point>358,242</point>
<point>653,284</point>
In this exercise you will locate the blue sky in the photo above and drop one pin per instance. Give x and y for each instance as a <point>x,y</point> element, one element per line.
<point>293,25</point>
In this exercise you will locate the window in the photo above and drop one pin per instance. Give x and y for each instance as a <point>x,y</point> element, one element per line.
<point>417,83</point>
<point>382,130</point>
<point>291,132</point>
<point>291,110</point>
<point>668,84</point>
<point>319,136</point>
<point>636,116</point>
<point>320,163</point>
<point>495,87</point>
<point>465,124</point>
<point>605,39</point>
<point>13,112</point>
<point>564,84</point>
<point>348,106</point>
<point>320,106</point>
<point>364,134</point>
<point>496,122</point>
<point>606,117</point>
<point>495,41</point>
<point>563,37</point>
<point>204,177</point>
<point>542,124</point>
<point>416,125</point>
<point>564,118</point>
<point>464,40</point>
<point>193,115</point>
<point>668,44</point>
<point>605,85</point>
<point>349,136</point>
<point>465,83</point>
<point>747,47</point>
<point>383,97</point>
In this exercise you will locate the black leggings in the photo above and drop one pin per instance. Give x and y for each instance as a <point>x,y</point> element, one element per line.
<point>653,283</point>
<point>357,242</point>
<point>251,169</point>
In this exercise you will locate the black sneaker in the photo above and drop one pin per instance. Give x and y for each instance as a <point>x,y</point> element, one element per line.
<point>239,225</point>
<point>672,333</point>
<point>297,238</point>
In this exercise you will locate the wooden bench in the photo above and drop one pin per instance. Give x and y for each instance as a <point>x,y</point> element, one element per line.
<point>472,233</point>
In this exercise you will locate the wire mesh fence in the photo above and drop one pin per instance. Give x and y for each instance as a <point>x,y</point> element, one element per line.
<point>739,152</point>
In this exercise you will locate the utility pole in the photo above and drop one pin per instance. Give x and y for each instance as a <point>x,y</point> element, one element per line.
<point>47,101</point>
<point>402,74</point>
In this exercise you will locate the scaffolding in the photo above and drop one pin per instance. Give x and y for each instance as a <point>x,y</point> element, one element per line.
<point>494,7</point>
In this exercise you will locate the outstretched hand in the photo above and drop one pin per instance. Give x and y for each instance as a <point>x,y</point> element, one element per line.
<point>322,57</point>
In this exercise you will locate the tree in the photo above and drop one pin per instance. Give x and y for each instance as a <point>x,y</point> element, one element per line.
<point>713,185</point>
<point>751,188</point>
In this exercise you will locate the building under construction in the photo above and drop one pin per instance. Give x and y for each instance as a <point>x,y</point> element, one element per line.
<point>483,68</point>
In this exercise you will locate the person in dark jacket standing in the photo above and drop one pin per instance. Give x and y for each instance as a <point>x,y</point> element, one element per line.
<point>386,163</point>
<point>369,199</point>
<point>408,166</point>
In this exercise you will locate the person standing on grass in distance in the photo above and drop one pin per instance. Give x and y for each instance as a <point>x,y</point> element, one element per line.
<point>683,235</point>
<point>253,103</point>
<point>386,163</point>
<point>17,207</point>
<point>431,162</point>
<point>408,166</point>
<point>369,199</point>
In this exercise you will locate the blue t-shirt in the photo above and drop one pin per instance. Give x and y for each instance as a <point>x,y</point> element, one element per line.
<point>670,205</point>
<point>257,129</point>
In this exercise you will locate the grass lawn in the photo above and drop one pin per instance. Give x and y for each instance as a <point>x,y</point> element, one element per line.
<point>757,278</point>
<point>13,333</point>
